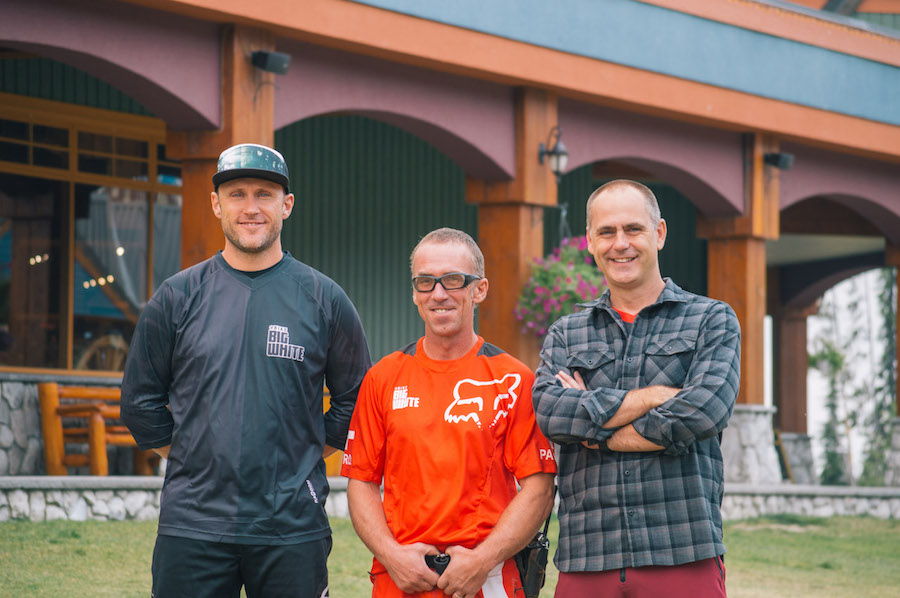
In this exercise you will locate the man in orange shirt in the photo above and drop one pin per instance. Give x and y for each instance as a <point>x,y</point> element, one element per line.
<point>448,424</point>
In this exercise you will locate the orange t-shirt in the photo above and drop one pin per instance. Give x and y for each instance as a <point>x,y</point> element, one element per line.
<point>448,438</point>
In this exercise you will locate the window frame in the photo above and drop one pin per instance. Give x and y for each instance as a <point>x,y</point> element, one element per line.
<point>80,119</point>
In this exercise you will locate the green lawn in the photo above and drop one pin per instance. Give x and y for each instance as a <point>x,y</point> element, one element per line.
<point>777,557</point>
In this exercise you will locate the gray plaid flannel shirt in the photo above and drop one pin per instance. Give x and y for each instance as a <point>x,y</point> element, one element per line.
<point>621,509</point>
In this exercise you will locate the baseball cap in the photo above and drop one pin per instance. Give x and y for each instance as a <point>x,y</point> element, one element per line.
<point>251,160</point>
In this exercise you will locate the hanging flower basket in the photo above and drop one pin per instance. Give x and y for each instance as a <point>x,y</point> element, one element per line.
<point>565,277</point>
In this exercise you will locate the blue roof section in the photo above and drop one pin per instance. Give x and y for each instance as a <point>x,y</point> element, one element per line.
<point>661,40</point>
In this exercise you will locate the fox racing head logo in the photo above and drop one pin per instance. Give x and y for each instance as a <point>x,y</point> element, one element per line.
<point>469,397</point>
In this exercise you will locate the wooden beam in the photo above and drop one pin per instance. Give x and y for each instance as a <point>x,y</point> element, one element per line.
<point>737,259</point>
<point>511,225</point>
<point>790,364</point>
<point>248,116</point>
<point>737,275</point>
<point>761,217</point>
<point>510,236</point>
<point>535,184</point>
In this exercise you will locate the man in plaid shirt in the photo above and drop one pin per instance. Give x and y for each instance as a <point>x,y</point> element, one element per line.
<point>636,388</point>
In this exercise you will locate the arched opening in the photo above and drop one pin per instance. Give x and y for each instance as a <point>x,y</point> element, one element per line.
<point>825,239</point>
<point>366,193</point>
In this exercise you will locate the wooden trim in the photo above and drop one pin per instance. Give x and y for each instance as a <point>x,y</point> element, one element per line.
<point>383,34</point>
<point>63,115</point>
<point>798,26</point>
<point>879,6</point>
<point>56,174</point>
<point>67,296</point>
<point>47,372</point>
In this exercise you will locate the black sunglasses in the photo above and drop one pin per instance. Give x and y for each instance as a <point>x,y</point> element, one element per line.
<point>451,281</point>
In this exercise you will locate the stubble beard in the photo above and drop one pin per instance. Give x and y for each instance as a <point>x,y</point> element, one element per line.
<point>266,242</point>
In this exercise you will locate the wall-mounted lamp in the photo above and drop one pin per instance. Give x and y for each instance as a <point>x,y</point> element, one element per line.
<point>555,151</point>
<point>271,62</point>
<point>780,160</point>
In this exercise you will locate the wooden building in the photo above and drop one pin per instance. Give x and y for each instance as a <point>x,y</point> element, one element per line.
<point>400,116</point>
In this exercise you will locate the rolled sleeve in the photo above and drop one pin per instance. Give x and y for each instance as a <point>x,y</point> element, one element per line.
<point>702,409</point>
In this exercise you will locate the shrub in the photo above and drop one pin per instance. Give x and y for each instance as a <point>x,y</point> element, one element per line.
<point>559,282</point>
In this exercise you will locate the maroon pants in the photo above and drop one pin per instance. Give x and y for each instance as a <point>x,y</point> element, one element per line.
<point>701,579</point>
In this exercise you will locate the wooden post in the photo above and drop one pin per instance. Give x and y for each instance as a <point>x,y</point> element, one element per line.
<point>51,429</point>
<point>790,364</point>
<point>99,462</point>
<point>248,116</point>
<point>511,225</point>
<point>737,260</point>
<point>737,268</point>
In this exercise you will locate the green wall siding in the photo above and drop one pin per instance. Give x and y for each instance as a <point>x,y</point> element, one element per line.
<point>366,192</point>
<point>684,256</point>
<point>51,80</point>
<point>883,19</point>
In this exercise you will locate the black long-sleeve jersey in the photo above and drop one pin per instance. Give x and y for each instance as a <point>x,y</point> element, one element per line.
<point>229,370</point>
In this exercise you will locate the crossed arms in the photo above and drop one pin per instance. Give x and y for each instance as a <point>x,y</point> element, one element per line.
<point>635,404</point>
<point>667,414</point>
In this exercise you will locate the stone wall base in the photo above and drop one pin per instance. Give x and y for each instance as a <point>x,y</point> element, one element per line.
<point>107,498</point>
<point>81,498</point>
<point>746,501</point>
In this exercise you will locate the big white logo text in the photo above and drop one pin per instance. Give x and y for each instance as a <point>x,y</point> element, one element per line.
<point>278,344</point>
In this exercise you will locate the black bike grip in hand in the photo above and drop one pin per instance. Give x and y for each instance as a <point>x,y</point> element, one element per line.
<point>437,562</point>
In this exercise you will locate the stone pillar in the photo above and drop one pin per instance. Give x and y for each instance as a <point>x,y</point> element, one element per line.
<point>21,443</point>
<point>748,446</point>
<point>737,275</point>
<point>511,225</point>
<point>892,472</point>
<point>248,109</point>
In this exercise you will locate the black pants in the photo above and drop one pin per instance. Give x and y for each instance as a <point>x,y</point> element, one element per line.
<point>200,569</point>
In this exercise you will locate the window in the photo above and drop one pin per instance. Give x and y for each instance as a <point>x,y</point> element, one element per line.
<point>90,221</point>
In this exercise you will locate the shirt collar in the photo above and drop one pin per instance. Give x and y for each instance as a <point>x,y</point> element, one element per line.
<point>671,293</point>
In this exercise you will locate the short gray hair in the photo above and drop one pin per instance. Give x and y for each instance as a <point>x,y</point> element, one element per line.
<point>649,198</point>
<point>452,235</point>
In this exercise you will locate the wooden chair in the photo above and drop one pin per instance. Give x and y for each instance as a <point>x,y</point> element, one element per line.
<point>89,416</point>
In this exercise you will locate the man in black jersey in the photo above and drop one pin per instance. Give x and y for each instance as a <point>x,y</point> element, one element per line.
<point>224,379</point>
